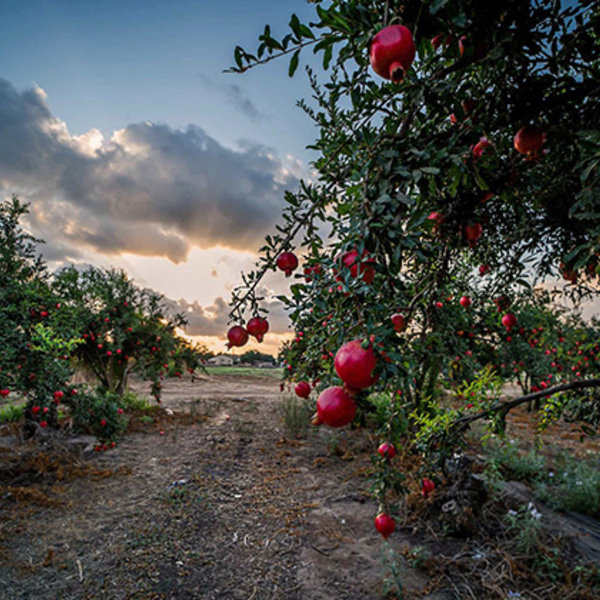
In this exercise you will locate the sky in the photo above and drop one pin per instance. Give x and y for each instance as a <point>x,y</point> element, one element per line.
<point>135,150</point>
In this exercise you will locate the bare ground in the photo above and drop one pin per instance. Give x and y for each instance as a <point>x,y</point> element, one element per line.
<point>220,506</point>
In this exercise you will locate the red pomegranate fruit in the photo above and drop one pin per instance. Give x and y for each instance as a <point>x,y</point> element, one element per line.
<point>509,320</point>
<point>529,140</point>
<point>4,393</point>
<point>287,262</point>
<point>392,52</point>
<point>387,450</point>
<point>399,322</point>
<point>465,301</point>
<point>302,389</point>
<point>436,216</point>
<point>257,326</point>
<point>351,260</point>
<point>309,272</point>
<point>483,269</point>
<point>427,486</point>
<point>385,524</point>
<point>473,233</point>
<point>335,407</point>
<point>237,336</point>
<point>482,147</point>
<point>354,365</point>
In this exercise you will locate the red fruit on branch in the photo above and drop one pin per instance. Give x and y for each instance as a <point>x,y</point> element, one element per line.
<point>529,140</point>
<point>257,326</point>
<point>354,365</point>
<point>58,395</point>
<point>385,524</point>
<point>509,320</point>
<point>427,486</point>
<point>473,233</point>
<point>4,393</point>
<point>465,301</point>
<point>436,216</point>
<point>237,336</point>
<point>310,271</point>
<point>103,422</point>
<point>302,389</point>
<point>482,147</point>
<point>399,322</point>
<point>392,52</point>
<point>387,450</point>
<point>287,262</point>
<point>335,407</point>
<point>351,261</point>
<point>483,269</point>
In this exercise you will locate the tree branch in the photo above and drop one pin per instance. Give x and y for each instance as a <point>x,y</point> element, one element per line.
<point>505,407</point>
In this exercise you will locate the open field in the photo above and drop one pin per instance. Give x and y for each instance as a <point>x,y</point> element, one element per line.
<point>246,371</point>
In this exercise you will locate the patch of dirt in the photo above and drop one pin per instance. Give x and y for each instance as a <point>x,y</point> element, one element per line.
<point>220,506</point>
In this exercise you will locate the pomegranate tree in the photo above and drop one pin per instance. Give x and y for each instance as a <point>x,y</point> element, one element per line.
<point>419,213</point>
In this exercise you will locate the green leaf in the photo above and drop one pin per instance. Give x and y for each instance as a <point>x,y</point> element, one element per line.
<point>294,63</point>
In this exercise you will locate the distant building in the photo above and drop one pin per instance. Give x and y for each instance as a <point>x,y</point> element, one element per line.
<point>220,361</point>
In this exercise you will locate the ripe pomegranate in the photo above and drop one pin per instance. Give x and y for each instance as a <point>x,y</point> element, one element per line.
<point>4,393</point>
<point>483,269</point>
<point>465,301</point>
<point>58,396</point>
<point>310,271</point>
<point>385,524</point>
<point>351,261</point>
<point>302,389</point>
<point>427,486</point>
<point>237,336</point>
<point>481,147</point>
<point>335,407</point>
<point>392,52</point>
<point>529,140</point>
<point>437,217</point>
<point>568,273</point>
<point>354,365</point>
<point>509,320</point>
<point>287,262</point>
<point>257,326</point>
<point>399,322</point>
<point>387,450</point>
<point>473,233</point>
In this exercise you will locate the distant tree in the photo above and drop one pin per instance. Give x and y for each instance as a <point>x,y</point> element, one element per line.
<point>253,357</point>
<point>125,328</point>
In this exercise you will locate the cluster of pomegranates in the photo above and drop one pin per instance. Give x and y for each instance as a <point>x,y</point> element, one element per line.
<point>238,335</point>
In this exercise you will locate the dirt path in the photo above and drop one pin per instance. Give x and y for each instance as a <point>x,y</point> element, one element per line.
<point>220,506</point>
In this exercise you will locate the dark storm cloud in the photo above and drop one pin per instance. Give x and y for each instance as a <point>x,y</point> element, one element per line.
<point>150,190</point>
<point>212,320</point>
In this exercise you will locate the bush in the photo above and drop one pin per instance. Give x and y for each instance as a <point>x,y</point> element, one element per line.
<point>99,412</point>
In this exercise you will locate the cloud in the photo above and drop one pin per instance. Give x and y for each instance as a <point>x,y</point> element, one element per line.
<point>150,189</point>
<point>236,96</point>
